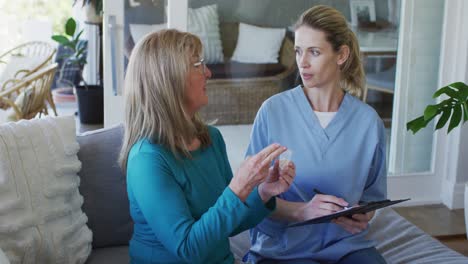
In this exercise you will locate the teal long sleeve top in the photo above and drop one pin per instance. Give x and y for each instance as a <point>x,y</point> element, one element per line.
<point>182,209</point>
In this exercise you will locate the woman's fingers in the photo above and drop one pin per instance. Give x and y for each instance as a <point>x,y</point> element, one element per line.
<point>332,199</point>
<point>263,154</point>
<point>272,156</point>
<point>353,225</point>
<point>330,207</point>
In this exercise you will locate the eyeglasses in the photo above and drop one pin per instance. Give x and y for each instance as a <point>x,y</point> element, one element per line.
<point>201,63</point>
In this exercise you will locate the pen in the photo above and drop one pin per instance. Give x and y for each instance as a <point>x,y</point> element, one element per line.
<point>317,191</point>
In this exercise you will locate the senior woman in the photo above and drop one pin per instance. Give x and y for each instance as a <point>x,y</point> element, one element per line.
<point>184,200</point>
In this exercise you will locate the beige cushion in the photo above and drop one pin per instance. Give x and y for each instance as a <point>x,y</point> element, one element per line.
<point>40,206</point>
<point>21,101</point>
<point>19,62</point>
<point>265,48</point>
<point>138,31</point>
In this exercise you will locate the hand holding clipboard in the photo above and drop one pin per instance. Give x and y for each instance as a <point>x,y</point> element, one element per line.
<point>349,211</point>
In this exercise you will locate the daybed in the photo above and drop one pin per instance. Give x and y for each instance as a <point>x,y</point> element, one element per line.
<point>54,153</point>
<point>237,90</point>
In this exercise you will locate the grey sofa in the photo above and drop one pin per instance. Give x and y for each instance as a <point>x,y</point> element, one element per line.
<point>105,203</point>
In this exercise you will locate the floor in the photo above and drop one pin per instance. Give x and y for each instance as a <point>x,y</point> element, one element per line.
<point>448,226</point>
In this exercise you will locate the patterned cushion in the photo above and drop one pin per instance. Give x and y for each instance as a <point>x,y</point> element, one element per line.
<point>40,206</point>
<point>204,23</point>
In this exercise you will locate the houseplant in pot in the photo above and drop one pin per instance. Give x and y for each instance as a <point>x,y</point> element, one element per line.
<point>454,108</point>
<point>90,97</point>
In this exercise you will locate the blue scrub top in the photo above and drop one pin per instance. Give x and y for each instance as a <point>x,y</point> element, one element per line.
<point>345,159</point>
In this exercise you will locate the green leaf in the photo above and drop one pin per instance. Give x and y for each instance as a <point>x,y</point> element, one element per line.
<point>430,112</point>
<point>77,38</point>
<point>444,118</point>
<point>456,117</point>
<point>61,39</point>
<point>446,90</point>
<point>444,103</point>
<point>416,124</point>
<point>70,27</point>
<point>462,90</point>
<point>465,110</point>
<point>459,86</point>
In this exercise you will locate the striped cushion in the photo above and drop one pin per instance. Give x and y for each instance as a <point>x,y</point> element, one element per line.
<point>204,23</point>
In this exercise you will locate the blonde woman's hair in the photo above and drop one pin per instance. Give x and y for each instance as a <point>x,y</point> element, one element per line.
<point>334,25</point>
<point>154,90</point>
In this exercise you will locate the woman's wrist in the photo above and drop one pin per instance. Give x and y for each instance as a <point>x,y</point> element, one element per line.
<point>300,213</point>
<point>241,192</point>
<point>264,195</point>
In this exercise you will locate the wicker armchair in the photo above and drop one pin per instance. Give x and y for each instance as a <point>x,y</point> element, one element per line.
<point>28,97</point>
<point>237,100</point>
<point>42,51</point>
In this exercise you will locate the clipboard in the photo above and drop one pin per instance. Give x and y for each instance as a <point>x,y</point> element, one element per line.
<point>360,209</point>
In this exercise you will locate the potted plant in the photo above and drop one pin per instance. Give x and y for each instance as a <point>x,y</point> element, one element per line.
<point>93,10</point>
<point>90,97</point>
<point>453,108</point>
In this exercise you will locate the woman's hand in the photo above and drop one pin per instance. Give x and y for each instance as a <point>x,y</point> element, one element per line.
<point>356,224</point>
<point>320,205</point>
<point>278,181</point>
<point>254,170</point>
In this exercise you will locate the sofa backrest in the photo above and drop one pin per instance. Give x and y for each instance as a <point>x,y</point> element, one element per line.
<point>103,186</point>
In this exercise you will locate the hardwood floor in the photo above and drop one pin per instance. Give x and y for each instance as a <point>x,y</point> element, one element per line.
<point>448,226</point>
<point>458,243</point>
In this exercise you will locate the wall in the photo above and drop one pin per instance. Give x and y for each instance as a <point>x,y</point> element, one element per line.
<point>453,147</point>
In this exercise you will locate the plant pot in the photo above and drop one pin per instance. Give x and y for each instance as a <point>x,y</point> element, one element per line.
<point>90,104</point>
<point>63,95</point>
<point>91,16</point>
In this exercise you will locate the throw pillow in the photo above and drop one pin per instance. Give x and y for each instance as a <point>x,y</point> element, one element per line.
<point>258,44</point>
<point>104,186</point>
<point>204,23</point>
<point>138,31</point>
<point>40,206</point>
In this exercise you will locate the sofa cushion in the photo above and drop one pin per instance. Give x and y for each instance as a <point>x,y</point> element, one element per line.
<point>244,70</point>
<point>204,23</point>
<point>258,44</point>
<point>138,31</point>
<point>17,63</point>
<point>111,255</point>
<point>104,188</point>
<point>41,220</point>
